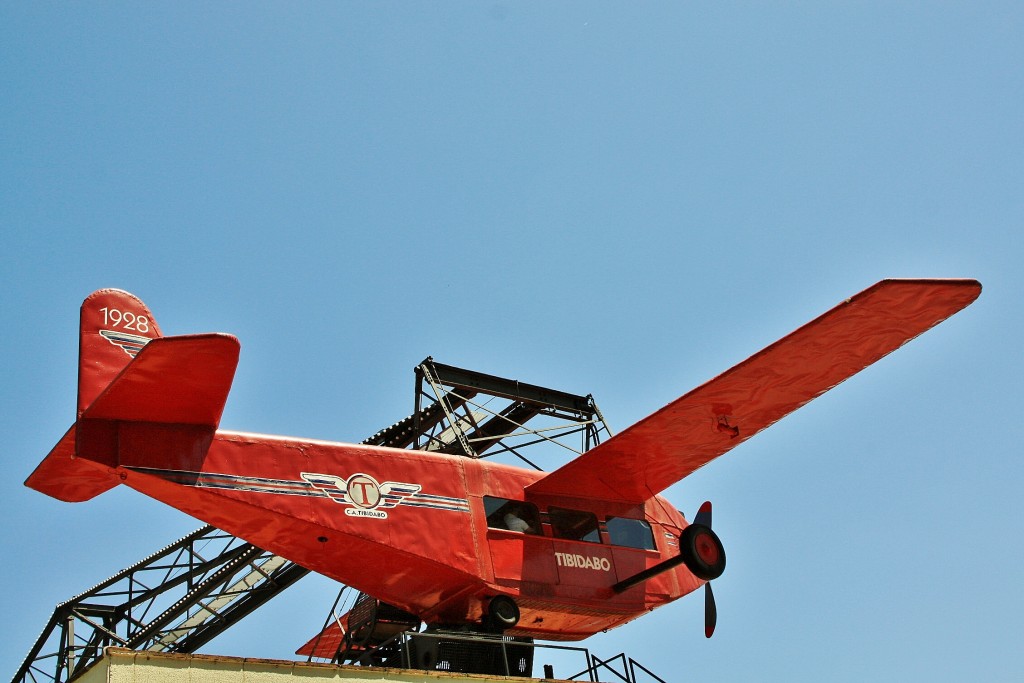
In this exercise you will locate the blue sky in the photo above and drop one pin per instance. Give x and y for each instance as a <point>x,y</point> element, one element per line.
<point>612,198</point>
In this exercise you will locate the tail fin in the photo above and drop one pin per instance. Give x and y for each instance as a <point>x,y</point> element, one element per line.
<point>114,327</point>
<point>181,382</point>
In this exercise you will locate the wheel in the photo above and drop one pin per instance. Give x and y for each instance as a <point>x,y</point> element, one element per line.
<point>702,552</point>
<point>502,613</point>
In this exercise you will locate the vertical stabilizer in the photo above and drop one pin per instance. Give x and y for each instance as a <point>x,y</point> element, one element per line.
<point>115,325</point>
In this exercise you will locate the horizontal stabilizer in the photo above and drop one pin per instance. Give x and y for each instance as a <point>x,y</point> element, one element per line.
<point>63,476</point>
<point>666,446</point>
<point>174,380</point>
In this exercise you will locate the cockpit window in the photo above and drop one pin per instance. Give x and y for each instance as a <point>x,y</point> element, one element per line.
<point>575,525</point>
<point>512,515</point>
<point>631,533</point>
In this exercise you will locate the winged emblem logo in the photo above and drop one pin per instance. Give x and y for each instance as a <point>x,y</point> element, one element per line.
<point>129,343</point>
<point>365,495</point>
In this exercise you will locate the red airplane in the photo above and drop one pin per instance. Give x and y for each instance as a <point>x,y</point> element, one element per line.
<point>455,540</point>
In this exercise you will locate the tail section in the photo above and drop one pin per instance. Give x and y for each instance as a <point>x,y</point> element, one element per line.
<point>115,326</point>
<point>135,385</point>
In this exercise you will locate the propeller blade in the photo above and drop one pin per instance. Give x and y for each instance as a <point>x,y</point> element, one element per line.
<point>703,517</point>
<point>704,514</point>
<point>710,611</point>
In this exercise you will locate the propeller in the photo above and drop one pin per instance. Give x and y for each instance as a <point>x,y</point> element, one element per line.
<point>710,610</point>
<point>701,551</point>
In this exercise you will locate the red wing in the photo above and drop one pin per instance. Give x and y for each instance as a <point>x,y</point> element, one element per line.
<point>325,644</point>
<point>666,446</point>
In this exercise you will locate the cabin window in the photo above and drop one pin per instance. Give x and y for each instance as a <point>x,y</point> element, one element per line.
<point>575,525</point>
<point>512,515</point>
<point>631,533</point>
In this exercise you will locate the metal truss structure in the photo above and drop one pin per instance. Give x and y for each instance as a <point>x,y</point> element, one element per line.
<point>183,596</point>
<point>176,600</point>
<point>477,415</point>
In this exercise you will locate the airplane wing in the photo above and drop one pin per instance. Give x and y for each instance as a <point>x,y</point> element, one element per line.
<point>325,645</point>
<point>666,446</point>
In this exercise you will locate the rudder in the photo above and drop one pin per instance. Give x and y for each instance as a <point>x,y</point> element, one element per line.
<point>115,325</point>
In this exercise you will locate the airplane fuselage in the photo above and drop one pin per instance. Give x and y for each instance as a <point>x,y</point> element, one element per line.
<point>424,531</point>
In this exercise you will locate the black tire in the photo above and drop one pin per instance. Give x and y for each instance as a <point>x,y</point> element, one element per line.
<point>502,613</point>
<point>702,552</point>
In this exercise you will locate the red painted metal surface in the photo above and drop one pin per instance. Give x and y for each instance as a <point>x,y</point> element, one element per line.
<point>410,527</point>
<point>114,326</point>
<point>325,644</point>
<point>716,417</point>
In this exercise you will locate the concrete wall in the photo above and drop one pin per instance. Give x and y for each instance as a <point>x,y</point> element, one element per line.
<point>128,666</point>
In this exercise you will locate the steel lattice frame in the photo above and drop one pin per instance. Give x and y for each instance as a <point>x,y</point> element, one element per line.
<point>175,600</point>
